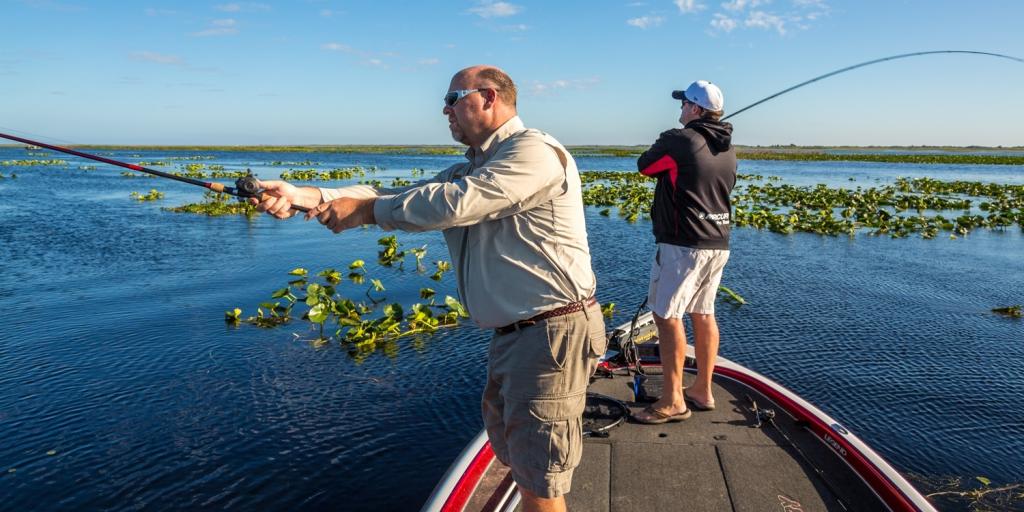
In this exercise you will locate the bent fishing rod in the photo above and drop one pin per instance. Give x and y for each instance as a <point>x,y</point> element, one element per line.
<point>245,187</point>
<point>868,63</point>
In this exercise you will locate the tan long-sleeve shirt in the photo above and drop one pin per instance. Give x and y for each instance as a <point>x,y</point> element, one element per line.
<point>512,216</point>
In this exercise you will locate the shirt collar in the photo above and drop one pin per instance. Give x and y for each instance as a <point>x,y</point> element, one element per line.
<point>490,145</point>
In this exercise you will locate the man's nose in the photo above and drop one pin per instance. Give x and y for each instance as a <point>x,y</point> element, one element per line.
<point>446,110</point>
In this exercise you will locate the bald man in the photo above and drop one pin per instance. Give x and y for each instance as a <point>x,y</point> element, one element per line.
<point>512,216</point>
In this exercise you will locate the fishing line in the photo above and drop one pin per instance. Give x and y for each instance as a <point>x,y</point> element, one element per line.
<point>868,63</point>
<point>245,187</point>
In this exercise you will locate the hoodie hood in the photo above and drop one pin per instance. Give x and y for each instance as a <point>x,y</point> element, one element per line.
<point>717,133</point>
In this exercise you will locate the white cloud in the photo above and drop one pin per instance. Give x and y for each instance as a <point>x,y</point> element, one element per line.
<point>158,58</point>
<point>688,6</point>
<point>514,28</point>
<point>739,5</point>
<point>242,7</point>
<point>491,9</point>
<point>223,27</point>
<point>547,88</point>
<point>723,23</point>
<point>429,62</point>
<point>767,21</point>
<point>367,58</point>
<point>645,22</point>
<point>326,13</point>
<point>337,47</point>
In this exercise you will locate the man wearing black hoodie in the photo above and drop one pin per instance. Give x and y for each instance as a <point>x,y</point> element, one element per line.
<point>696,171</point>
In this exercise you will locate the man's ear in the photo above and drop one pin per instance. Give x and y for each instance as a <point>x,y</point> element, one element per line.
<point>491,96</point>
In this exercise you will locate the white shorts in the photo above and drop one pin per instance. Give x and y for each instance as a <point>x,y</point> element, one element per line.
<point>685,280</point>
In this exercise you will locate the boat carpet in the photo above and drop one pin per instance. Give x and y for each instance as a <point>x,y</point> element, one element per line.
<point>715,461</point>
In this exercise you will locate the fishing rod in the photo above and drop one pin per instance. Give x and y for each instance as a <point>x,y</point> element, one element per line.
<point>245,187</point>
<point>868,63</point>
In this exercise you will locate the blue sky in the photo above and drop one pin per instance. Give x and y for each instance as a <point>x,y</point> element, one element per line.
<point>600,72</point>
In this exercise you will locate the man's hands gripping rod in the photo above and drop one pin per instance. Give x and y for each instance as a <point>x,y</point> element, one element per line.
<point>281,199</point>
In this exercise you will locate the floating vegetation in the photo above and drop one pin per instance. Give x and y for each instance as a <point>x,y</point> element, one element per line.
<point>919,158</point>
<point>155,163</point>
<point>922,156</point>
<point>399,182</point>
<point>221,173</point>
<point>216,204</point>
<point>131,174</point>
<point>370,149</point>
<point>975,494</point>
<point>304,163</point>
<point>1010,311</point>
<point>608,310</point>
<point>357,324</point>
<point>730,296</point>
<point>344,173</point>
<point>416,172</point>
<point>34,163</point>
<point>898,210</point>
<point>153,195</point>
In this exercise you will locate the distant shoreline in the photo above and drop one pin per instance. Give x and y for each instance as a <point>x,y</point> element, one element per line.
<point>889,154</point>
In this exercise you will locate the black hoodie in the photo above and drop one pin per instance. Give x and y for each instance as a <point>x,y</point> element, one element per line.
<point>696,170</point>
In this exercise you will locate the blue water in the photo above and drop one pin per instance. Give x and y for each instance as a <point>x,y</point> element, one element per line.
<point>114,356</point>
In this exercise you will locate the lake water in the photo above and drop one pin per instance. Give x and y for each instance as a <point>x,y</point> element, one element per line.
<point>121,387</point>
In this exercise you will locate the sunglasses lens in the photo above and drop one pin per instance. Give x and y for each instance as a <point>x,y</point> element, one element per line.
<point>451,98</point>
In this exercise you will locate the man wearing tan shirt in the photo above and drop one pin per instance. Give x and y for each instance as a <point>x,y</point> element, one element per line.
<point>512,216</point>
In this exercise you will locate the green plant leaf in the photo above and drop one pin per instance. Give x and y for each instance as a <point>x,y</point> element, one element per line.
<point>984,481</point>
<point>317,314</point>
<point>377,285</point>
<point>456,306</point>
<point>280,293</point>
<point>299,271</point>
<point>393,311</point>
<point>426,293</point>
<point>356,264</point>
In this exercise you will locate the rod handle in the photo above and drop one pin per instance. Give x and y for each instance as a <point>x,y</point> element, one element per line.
<point>264,196</point>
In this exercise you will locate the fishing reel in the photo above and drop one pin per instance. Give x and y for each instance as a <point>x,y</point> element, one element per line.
<point>247,186</point>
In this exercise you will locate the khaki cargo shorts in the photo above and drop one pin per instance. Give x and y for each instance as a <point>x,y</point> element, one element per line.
<point>533,402</point>
<point>685,280</point>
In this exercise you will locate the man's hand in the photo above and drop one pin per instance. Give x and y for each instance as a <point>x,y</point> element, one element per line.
<point>278,197</point>
<point>344,213</point>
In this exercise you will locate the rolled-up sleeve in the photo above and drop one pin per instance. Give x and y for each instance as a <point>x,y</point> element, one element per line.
<point>524,172</point>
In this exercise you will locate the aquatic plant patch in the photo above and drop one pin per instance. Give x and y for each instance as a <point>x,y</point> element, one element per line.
<point>216,204</point>
<point>339,312</point>
<point>908,206</point>
<point>152,195</point>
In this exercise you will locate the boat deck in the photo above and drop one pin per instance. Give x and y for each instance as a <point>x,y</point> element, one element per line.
<point>715,461</point>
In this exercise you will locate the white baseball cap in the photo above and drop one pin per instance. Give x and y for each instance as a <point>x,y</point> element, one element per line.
<point>705,94</point>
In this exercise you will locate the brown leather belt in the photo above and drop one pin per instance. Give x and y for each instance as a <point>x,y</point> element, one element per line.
<point>564,310</point>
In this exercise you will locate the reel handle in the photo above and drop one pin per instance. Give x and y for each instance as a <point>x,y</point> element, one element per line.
<point>248,186</point>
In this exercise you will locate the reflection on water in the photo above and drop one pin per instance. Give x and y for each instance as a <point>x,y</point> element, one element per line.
<point>121,386</point>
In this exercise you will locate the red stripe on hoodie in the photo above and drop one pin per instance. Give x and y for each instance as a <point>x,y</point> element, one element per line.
<point>665,163</point>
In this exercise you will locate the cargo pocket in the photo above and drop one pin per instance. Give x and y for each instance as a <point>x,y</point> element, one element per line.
<point>556,442</point>
<point>559,333</point>
<point>598,339</point>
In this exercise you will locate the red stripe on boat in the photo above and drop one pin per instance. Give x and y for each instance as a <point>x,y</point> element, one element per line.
<point>457,500</point>
<point>886,490</point>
